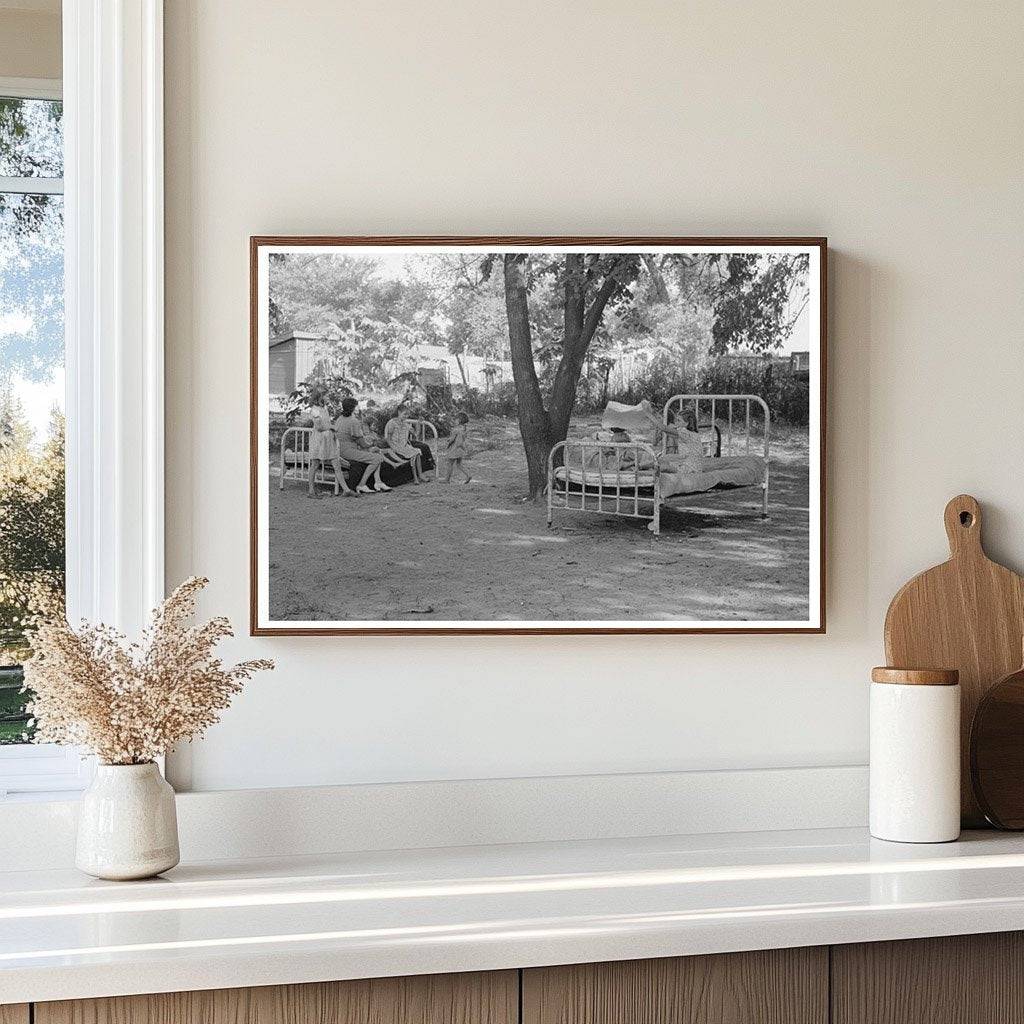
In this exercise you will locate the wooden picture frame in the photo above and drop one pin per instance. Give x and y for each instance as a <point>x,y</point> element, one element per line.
<point>594,248</point>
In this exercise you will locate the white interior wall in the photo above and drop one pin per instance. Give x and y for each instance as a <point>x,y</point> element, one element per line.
<point>30,40</point>
<point>895,129</point>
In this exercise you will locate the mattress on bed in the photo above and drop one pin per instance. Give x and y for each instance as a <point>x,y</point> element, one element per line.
<point>626,479</point>
<point>728,471</point>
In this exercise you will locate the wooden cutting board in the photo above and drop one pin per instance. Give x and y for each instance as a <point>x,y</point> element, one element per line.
<point>967,614</point>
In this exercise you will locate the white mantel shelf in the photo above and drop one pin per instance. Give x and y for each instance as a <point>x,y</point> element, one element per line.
<point>263,922</point>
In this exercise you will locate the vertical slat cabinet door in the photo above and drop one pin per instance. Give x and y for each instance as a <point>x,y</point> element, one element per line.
<point>961,979</point>
<point>778,986</point>
<point>481,998</point>
<point>13,1013</point>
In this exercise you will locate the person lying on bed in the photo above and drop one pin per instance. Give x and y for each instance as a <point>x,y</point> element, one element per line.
<point>669,439</point>
<point>614,458</point>
<point>687,454</point>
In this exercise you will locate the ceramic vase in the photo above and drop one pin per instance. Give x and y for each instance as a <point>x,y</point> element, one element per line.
<point>127,825</point>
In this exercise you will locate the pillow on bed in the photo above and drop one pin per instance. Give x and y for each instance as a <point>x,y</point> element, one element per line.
<point>629,417</point>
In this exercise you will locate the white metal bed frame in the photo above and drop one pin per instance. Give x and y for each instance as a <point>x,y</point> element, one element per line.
<point>294,461</point>
<point>624,498</point>
<point>621,499</point>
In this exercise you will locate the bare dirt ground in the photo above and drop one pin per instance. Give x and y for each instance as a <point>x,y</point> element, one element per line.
<point>475,551</point>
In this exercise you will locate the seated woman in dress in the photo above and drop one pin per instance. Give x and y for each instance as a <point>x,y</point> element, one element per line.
<point>354,447</point>
<point>323,447</point>
<point>684,450</point>
<point>395,470</point>
<point>396,436</point>
<point>686,420</point>
<point>427,460</point>
<point>376,440</point>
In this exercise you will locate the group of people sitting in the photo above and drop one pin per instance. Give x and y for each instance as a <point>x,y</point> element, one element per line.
<point>364,462</point>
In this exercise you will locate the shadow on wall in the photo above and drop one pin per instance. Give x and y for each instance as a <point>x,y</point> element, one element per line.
<point>854,288</point>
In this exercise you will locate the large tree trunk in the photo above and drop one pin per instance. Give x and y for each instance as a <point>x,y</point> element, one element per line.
<point>574,347</point>
<point>543,428</point>
<point>534,424</point>
<point>580,325</point>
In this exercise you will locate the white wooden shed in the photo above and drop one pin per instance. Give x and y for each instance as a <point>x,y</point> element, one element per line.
<point>293,358</point>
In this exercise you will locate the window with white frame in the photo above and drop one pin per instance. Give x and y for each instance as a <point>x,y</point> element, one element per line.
<point>32,490</point>
<point>81,326</point>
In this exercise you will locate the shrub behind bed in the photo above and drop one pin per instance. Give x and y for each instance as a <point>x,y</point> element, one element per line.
<point>787,395</point>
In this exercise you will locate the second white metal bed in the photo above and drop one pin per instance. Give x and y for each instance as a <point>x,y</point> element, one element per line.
<point>630,478</point>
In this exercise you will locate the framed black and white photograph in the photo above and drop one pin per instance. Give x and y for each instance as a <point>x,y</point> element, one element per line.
<point>537,435</point>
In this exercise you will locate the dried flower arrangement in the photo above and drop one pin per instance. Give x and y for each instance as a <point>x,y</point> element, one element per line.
<point>130,703</point>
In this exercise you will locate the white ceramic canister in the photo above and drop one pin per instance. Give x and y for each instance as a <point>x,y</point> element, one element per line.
<point>915,755</point>
<point>127,825</point>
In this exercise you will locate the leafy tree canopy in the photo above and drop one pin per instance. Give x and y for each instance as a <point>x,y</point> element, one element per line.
<point>31,525</point>
<point>561,319</point>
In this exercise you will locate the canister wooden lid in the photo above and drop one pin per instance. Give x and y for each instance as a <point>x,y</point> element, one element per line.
<point>916,676</point>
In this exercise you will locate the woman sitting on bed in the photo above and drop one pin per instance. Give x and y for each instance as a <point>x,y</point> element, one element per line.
<point>688,454</point>
<point>689,470</point>
<point>352,445</point>
<point>396,435</point>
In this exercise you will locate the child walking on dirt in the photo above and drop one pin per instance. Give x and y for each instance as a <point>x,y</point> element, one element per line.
<point>456,450</point>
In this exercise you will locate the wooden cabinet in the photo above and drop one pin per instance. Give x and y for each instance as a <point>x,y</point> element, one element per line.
<point>490,998</point>
<point>968,979</point>
<point>971,979</point>
<point>777,986</point>
<point>963,979</point>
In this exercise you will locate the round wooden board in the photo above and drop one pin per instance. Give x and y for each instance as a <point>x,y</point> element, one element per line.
<point>997,752</point>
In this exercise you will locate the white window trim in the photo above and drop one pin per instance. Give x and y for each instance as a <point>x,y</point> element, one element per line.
<point>114,316</point>
<point>31,88</point>
<point>114,321</point>
<point>32,186</point>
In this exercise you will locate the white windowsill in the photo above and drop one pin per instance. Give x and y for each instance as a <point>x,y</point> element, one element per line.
<point>358,915</point>
<point>42,771</point>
